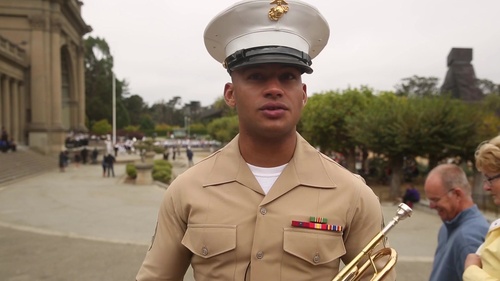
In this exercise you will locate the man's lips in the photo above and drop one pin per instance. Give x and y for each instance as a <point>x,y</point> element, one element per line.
<point>273,110</point>
<point>273,106</point>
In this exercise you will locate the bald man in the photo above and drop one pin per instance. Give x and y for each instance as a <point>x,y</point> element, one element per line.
<point>464,227</point>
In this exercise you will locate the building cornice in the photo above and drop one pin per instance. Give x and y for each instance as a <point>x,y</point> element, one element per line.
<point>13,53</point>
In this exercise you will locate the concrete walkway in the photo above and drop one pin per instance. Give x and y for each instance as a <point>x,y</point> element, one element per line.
<point>79,225</point>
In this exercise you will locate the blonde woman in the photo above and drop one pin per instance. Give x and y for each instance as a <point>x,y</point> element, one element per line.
<point>485,265</point>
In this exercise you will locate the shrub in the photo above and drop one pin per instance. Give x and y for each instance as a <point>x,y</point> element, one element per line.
<point>162,163</point>
<point>131,171</point>
<point>162,171</point>
<point>163,175</point>
<point>158,149</point>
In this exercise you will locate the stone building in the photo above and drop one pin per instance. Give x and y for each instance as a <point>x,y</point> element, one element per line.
<point>42,75</point>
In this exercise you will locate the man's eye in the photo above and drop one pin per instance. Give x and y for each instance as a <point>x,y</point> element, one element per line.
<point>288,76</point>
<point>255,76</point>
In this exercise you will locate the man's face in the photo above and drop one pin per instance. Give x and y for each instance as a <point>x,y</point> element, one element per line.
<point>444,201</point>
<point>268,98</point>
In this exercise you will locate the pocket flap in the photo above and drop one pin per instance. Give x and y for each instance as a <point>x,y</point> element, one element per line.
<point>210,240</point>
<point>316,246</point>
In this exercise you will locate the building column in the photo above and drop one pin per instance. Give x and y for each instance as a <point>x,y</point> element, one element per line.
<point>7,121</point>
<point>56,85</point>
<point>2,104</point>
<point>15,110</point>
<point>81,89</point>
<point>22,113</point>
<point>38,83</point>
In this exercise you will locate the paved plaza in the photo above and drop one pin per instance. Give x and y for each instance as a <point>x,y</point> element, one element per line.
<point>80,226</point>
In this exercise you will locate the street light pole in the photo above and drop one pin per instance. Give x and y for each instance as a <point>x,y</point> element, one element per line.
<point>114,109</point>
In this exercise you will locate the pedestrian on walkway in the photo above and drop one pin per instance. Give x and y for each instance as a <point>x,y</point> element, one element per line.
<point>464,226</point>
<point>189,154</point>
<point>77,158</point>
<point>485,264</point>
<point>84,153</point>
<point>62,160</point>
<point>268,205</point>
<point>110,162</point>
<point>104,165</point>
<point>94,155</point>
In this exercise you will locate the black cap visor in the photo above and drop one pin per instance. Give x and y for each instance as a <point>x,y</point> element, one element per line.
<point>268,55</point>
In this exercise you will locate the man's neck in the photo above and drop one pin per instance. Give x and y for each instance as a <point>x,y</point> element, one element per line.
<point>267,152</point>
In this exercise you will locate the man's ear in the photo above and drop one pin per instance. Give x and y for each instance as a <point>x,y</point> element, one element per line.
<point>458,192</point>
<point>304,95</point>
<point>229,95</point>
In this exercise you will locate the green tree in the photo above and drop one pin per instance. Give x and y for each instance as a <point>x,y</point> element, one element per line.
<point>488,87</point>
<point>98,83</point>
<point>380,128</point>
<point>417,86</point>
<point>324,121</point>
<point>146,123</point>
<point>223,129</point>
<point>136,108</point>
<point>101,127</point>
<point>220,104</point>
<point>434,127</point>
<point>492,103</point>
<point>198,129</point>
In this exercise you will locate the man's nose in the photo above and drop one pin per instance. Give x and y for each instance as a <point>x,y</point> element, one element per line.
<point>432,205</point>
<point>273,88</point>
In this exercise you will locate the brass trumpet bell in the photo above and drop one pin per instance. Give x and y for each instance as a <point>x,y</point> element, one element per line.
<point>352,272</point>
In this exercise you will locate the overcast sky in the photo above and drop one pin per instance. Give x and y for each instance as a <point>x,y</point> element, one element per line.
<point>158,44</point>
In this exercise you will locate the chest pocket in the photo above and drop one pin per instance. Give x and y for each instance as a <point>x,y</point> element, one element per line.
<point>208,240</point>
<point>313,246</point>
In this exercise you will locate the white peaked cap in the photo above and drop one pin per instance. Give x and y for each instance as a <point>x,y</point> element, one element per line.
<point>263,31</point>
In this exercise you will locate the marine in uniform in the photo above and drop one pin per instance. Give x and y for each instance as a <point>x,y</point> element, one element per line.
<point>268,205</point>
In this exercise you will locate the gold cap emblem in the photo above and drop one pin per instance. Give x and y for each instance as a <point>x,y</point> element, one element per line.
<point>275,13</point>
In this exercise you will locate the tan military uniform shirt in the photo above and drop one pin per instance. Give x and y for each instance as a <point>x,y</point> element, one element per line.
<point>216,217</point>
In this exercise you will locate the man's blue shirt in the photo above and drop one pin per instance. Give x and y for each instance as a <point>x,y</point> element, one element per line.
<point>456,239</point>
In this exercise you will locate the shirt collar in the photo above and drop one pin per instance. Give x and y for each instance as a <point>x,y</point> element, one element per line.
<point>307,167</point>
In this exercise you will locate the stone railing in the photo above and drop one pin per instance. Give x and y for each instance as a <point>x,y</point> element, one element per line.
<point>11,50</point>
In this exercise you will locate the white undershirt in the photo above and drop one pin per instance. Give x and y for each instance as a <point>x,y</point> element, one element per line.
<point>266,176</point>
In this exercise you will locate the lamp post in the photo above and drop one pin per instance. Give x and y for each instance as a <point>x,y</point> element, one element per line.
<point>187,120</point>
<point>114,109</point>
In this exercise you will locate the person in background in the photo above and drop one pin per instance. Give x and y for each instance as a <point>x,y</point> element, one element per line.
<point>94,155</point>
<point>63,159</point>
<point>104,165</point>
<point>411,195</point>
<point>4,140</point>
<point>485,264</point>
<point>4,136</point>
<point>464,226</point>
<point>110,163</point>
<point>189,154</point>
<point>268,205</point>
<point>84,153</point>
<point>77,158</point>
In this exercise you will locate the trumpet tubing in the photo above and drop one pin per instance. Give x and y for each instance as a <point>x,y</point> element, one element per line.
<point>352,271</point>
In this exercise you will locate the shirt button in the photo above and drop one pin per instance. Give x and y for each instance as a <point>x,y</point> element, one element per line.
<point>259,255</point>
<point>316,258</point>
<point>204,251</point>
<point>263,211</point>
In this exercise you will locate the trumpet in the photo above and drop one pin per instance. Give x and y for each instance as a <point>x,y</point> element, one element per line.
<point>352,272</point>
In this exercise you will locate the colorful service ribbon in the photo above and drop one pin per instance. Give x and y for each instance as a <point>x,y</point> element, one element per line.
<point>321,226</point>
<point>318,219</point>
